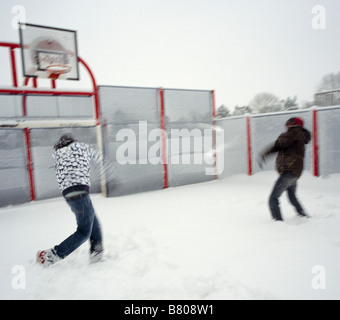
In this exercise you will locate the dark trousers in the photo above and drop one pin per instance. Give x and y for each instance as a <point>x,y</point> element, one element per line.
<point>88,228</point>
<point>286,182</point>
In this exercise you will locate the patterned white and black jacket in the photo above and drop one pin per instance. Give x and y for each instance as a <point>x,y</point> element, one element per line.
<point>72,166</point>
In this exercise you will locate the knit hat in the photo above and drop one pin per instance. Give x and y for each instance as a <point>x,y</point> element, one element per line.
<point>295,122</point>
<point>64,141</point>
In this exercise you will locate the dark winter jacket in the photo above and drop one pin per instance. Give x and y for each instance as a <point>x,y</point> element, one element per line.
<point>291,150</point>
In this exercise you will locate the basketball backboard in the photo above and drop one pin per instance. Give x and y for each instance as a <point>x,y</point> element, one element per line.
<point>49,52</point>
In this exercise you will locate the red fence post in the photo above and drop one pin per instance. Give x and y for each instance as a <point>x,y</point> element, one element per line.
<point>163,132</point>
<point>315,144</point>
<point>29,163</point>
<point>249,149</point>
<point>214,131</point>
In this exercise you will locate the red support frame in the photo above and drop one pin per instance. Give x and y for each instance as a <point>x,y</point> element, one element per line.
<point>14,68</point>
<point>22,91</point>
<point>249,148</point>
<point>12,47</point>
<point>315,144</point>
<point>214,132</point>
<point>164,142</point>
<point>53,92</point>
<point>95,92</point>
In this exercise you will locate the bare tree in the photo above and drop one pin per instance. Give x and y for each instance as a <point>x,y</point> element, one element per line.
<point>330,81</point>
<point>239,111</point>
<point>265,102</point>
<point>290,104</point>
<point>223,112</point>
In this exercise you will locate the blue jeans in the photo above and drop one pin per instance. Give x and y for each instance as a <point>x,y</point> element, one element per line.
<point>88,228</point>
<point>286,182</point>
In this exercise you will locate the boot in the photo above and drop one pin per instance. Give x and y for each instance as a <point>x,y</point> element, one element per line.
<point>46,258</point>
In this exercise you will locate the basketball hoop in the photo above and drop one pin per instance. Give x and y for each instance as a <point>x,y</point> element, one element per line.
<point>56,70</point>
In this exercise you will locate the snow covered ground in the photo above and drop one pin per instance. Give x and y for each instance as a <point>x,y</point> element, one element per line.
<point>209,241</point>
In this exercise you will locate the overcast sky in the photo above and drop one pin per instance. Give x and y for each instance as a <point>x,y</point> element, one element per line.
<point>237,47</point>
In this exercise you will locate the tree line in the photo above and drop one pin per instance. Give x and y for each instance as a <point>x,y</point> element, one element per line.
<point>266,102</point>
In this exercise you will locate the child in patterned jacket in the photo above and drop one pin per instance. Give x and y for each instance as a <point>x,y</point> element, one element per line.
<point>72,165</point>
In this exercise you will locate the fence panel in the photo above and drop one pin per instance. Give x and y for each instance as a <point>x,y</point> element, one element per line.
<point>235,146</point>
<point>10,106</point>
<point>51,107</point>
<point>189,126</point>
<point>130,116</point>
<point>59,107</point>
<point>329,140</point>
<point>14,185</point>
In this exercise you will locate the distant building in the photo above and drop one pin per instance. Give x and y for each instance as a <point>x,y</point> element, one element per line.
<point>327,98</point>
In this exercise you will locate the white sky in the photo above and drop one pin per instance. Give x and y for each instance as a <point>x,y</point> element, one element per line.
<point>237,47</point>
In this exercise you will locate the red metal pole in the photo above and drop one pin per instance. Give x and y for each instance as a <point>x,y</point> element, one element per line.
<point>46,92</point>
<point>27,79</point>
<point>29,163</point>
<point>14,68</point>
<point>249,149</point>
<point>315,144</point>
<point>164,148</point>
<point>11,47</point>
<point>214,131</point>
<point>95,89</point>
<point>24,105</point>
<point>35,82</point>
<point>24,98</point>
